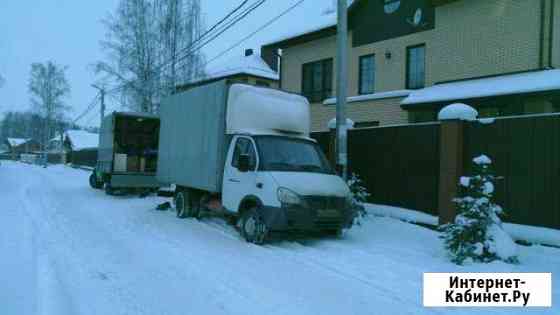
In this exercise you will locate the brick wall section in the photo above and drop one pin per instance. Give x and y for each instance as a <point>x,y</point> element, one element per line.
<point>386,111</point>
<point>472,38</point>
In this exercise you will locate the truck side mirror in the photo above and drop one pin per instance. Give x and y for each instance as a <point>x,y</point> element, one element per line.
<point>243,164</point>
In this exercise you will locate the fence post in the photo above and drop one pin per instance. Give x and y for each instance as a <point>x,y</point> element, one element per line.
<point>451,167</point>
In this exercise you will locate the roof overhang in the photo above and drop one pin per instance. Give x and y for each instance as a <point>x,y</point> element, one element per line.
<point>327,30</point>
<point>511,84</point>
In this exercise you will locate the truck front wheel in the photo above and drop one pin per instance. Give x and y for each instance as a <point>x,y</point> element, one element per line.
<point>253,227</point>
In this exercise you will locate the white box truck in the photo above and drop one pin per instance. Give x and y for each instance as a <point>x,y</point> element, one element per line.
<point>245,152</point>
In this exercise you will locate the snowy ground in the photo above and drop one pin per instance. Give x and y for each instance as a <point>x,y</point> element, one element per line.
<point>66,249</point>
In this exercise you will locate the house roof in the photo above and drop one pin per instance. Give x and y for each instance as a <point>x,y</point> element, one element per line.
<point>253,65</point>
<point>314,23</point>
<point>14,142</point>
<point>519,83</point>
<point>319,25</point>
<point>81,139</point>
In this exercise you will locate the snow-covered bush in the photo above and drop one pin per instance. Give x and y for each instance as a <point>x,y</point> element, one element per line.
<point>359,196</point>
<point>477,233</point>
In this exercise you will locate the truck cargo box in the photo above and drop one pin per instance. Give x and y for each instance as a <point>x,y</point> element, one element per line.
<point>197,125</point>
<point>128,147</point>
<point>193,138</point>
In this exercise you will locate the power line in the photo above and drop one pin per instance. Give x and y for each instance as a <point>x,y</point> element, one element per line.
<point>254,32</point>
<point>238,18</point>
<point>206,33</point>
<point>90,107</point>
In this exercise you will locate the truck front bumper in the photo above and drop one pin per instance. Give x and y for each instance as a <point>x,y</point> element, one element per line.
<point>303,219</point>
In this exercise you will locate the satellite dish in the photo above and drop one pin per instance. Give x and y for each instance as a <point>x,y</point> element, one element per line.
<point>391,6</point>
<point>417,17</point>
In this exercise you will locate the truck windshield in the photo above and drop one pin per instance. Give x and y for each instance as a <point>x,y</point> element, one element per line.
<point>291,155</point>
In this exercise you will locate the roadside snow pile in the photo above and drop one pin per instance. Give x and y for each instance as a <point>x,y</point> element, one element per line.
<point>458,111</point>
<point>519,232</point>
<point>533,234</point>
<point>402,214</point>
<point>500,243</point>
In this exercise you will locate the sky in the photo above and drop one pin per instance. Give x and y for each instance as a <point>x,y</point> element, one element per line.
<point>68,32</point>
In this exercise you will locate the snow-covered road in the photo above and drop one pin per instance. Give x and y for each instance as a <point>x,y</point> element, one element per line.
<point>67,249</point>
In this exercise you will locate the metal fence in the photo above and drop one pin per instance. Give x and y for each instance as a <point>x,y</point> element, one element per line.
<point>400,165</point>
<point>526,152</point>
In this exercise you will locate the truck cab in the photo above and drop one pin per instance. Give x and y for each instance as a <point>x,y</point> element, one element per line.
<point>283,184</point>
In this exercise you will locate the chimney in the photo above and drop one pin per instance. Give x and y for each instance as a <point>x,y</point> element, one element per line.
<point>248,52</point>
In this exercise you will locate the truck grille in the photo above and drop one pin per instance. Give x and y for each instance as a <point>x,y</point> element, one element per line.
<point>325,203</point>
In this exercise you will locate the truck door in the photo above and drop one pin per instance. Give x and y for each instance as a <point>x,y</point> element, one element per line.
<point>238,184</point>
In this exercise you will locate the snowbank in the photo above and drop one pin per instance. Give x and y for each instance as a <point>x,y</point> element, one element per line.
<point>519,232</point>
<point>501,244</point>
<point>458,111</point>
<point>401,214</point>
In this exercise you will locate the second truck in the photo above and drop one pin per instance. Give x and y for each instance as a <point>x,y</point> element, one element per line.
<point>245,152</point>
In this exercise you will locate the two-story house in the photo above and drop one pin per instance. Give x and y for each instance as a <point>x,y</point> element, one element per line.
<point>408,58</point>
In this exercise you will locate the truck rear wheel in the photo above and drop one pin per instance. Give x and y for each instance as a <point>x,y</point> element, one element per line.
<point>93,181</point>
<point>186,204</point>
<point>181,204</point>
<point>253,227</point>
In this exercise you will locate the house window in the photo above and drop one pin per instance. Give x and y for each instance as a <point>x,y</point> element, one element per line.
<point>317,80</point>
<point>367,75</point>
<point>416,67</point>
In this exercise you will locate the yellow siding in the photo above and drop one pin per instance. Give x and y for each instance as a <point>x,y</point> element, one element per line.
<point>472,38</point>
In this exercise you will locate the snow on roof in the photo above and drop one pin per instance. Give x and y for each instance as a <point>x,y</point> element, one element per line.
<point>253,65</point>
<point>458,111</point>
<point>528,82</point>
<point>369,97</point>
<point>322,19</point>
<point>14,142</point>
<point>81,139</point>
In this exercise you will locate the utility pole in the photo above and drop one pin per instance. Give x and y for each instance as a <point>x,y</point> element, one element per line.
<point>102,91</point>
<point>341,87</point>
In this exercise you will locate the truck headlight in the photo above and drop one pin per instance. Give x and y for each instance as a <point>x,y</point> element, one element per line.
<point>288,197</point>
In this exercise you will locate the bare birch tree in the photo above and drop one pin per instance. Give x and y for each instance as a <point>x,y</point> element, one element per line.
<point>49,88</point>
<point>146,45</point>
